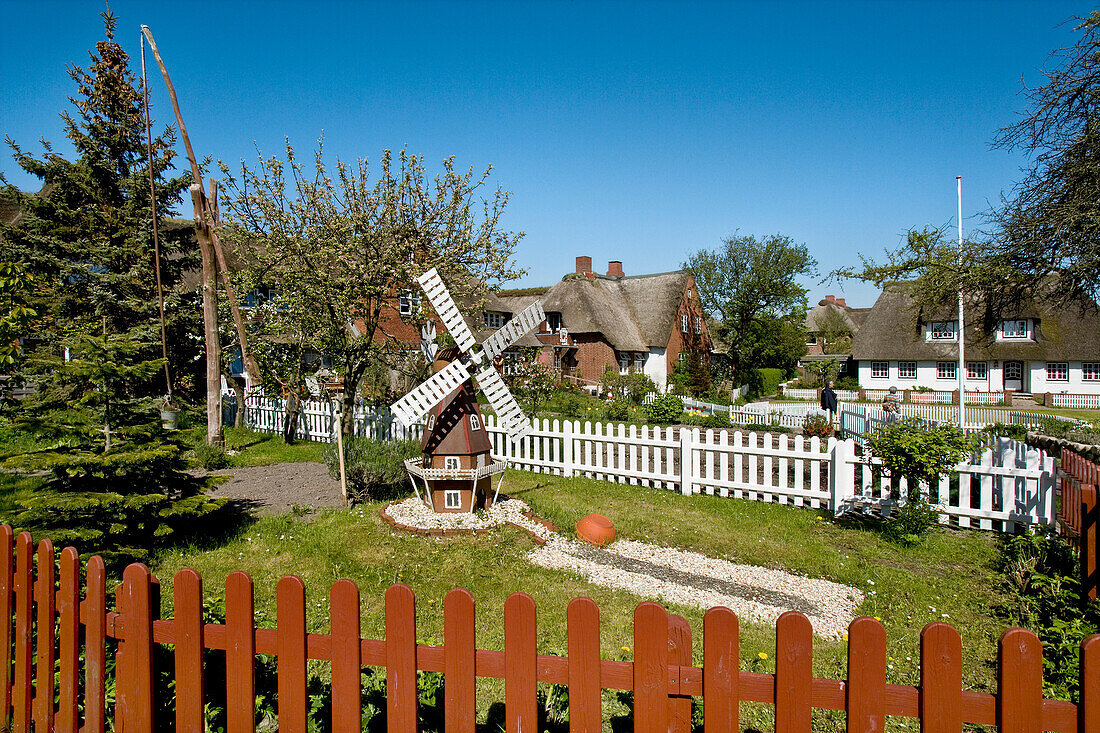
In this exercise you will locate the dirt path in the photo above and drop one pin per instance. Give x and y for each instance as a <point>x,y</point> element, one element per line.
<point>275,489</point>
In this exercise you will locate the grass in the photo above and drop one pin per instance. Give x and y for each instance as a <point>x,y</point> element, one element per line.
<point>258,449</point>
<point>950,577</point>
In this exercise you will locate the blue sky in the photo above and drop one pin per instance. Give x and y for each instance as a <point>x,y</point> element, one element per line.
<point>632,131</point>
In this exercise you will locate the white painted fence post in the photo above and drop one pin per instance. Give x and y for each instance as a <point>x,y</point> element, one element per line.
<point>567,449</point>
<point>841,475</point>
<point>685,461</point>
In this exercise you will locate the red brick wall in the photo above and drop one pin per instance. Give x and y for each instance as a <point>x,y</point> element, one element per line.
<point>692,340</point>
<point>593,354</point>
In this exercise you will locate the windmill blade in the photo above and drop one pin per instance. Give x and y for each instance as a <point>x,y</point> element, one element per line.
<point>511,417</point>
<point>529,318</point>
<point>412,406</point>
<point>446,309</point>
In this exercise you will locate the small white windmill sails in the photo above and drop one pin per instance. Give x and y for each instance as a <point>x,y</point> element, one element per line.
<point>410,408</point>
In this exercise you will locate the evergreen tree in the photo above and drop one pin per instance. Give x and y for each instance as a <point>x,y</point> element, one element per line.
<point>115,482</point>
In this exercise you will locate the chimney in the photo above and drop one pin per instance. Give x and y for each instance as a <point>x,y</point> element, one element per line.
<point>830,298</point>
<point>584,264</point>
<point>840,302</point>
<point>615,268</point>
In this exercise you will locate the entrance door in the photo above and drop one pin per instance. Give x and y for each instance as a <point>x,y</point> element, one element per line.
<point>1014,376</point>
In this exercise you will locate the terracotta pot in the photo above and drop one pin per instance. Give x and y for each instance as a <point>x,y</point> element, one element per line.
<point>596,529</point>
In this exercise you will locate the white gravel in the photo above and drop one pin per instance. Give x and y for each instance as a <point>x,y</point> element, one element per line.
<point>662,573</point>
<point>689,578</point>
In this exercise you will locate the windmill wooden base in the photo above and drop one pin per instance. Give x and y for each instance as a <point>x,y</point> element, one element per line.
<point>454,490</point>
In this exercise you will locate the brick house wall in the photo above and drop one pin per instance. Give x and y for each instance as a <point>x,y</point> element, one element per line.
<point>695,339</point>
<point>593,355</point>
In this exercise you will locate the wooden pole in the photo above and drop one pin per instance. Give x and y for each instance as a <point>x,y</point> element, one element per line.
<point>214,432</point>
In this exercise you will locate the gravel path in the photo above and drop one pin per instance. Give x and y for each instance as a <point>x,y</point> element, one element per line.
<point>275,489</point>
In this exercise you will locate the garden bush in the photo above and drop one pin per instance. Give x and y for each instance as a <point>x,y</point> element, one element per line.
<point>375,470</point>
<point>619,410</point>
<point>209,457</point>
<point>1002,430</point>
<point>664,409</point>
<point>817,424</point>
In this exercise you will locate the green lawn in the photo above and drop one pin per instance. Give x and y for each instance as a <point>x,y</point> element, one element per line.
<point>949,577</point>
<point>248,448</point>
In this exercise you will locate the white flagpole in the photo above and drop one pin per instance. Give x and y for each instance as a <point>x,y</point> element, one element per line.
<point>962,330</point>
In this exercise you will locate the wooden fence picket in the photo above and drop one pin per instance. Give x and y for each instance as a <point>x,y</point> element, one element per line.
<point>7,615</point>
<point>721,674</point>
<point>291,650</point>
<point>45,602</point>
<point>68,657</point>
<point>1020,682</point>
<point>134,690</point>
<point>187,623</point>
<point>585,705</point>
<point>866,676</point>
<point>940,679</point>
<point>520,664</point>
<point>345,656</point>
<point>679,655</point>
<point>1088,710</point>
<point>94,614</point>
<point>793,673</point>
<point>401,703</point>
<point>240,654</point>
<point>650,668</point>
<point>459,662</point>
<point>23,680</point>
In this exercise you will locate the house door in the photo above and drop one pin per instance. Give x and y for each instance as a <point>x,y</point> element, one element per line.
<point>1014,376</point>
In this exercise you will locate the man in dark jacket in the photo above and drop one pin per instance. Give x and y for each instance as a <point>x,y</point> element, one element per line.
<point>828,400</point>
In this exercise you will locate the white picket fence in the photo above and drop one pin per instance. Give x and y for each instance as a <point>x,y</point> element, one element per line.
<point>1081,401</point>
<point>1007,484</point>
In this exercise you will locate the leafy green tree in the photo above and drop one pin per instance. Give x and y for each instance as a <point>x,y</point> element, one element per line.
<point>1050,223</point>
<point>751,285</point>
<point>342,248</point>
<point>86,237</point>
<point>535,384</point>
<point>834,332</point>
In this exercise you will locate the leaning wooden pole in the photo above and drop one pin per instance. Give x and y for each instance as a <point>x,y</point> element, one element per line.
<point>213,260</point>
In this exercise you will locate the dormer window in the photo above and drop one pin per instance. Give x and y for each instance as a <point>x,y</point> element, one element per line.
<point>494,320</point>
<point>942,330</point>
<point>553,322</point>
<point>410,302</point>
<point>475,424</point>
<point>431,423</point>
<point>1016,329</point>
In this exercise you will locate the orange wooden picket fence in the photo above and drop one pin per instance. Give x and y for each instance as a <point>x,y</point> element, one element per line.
<point>51,622</point>
<point>1079,511</point>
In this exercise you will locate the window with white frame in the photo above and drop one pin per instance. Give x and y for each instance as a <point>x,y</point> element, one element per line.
<point>942,330</point>
<point>557,358</point>
<point>946,370</point>
<point>811,338</point>
<point>452,499</point>
<point>639,361</point>
<point>1057,371</point>
<point>880,370</point>
<point>684,322</point>
<point>451,463</point>
<point>493,320</point>
<point>907,370</point>
<point>624,362</point>
<point>475,423</point>
<point>1016,329</point>
<point>698,324</point>
<point>409,303</point>
<point>553,322</point>
<point>431,423</point>
<point>1090,371</point>
<point>976,370</point>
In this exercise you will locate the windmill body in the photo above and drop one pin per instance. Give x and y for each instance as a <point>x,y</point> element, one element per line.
<point>456,469</point>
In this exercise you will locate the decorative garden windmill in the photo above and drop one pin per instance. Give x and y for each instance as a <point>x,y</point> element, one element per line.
<point>457,468</point>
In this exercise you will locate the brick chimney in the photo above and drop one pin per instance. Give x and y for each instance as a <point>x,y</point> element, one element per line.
<point>840,302</point>
<point>830,298</point>
<point>584,264</point>
<point>615,268</point>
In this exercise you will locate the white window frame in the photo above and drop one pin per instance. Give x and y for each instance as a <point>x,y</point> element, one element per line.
<point>877,370</point>
<point>639,360</point>
<point>557,358</point>
<point>431,422</point>
<point>452,499</point>
<point>811,339</point>
<point>475,423</point>
<point>1015,334</point>
<point>624,362</point>
<point>493,320</point>
<point>683,323</point>
<point>977,370</point>
<point>947,370</point>
<point>907,370</point>
<point>698,324</point>
<point>1057,371</point>
<point>1090,371</point>
<point>408,303</point>
<point>554,322</point>
<point>452,463</point>
<point>938,330</point>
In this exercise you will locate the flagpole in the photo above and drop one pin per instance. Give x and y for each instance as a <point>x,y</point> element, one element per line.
<point>962,329</point>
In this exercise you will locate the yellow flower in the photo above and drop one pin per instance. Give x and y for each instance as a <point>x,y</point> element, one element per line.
<point>762,655</point>
<point>845,637</point>
<point>626,648</point>
<point>877,618</point>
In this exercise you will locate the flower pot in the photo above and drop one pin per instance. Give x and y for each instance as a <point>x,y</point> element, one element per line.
<point>168,419</point>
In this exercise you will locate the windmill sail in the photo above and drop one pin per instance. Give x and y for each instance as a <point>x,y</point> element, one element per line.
<point>528,319</point>
<point>415,404</point>
<point>446,309</point>
<point>511,417</point>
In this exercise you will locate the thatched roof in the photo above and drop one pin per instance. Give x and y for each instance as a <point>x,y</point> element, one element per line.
<point>894,329</point>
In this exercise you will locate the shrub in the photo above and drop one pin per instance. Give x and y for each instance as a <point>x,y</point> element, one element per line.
<point>209,457</point>
<point>720,420</point>
<point>912,521</point>
<point>817,424</point>
<point>375,469</point>
<point>619,410</point>
<point>847,382</point>
<point>770,378</point>
<point>664,409</point>
<point>1001,430</point>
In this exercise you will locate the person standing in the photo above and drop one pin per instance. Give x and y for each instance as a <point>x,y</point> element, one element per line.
<point>828,400</point>
<point>891,405</point>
